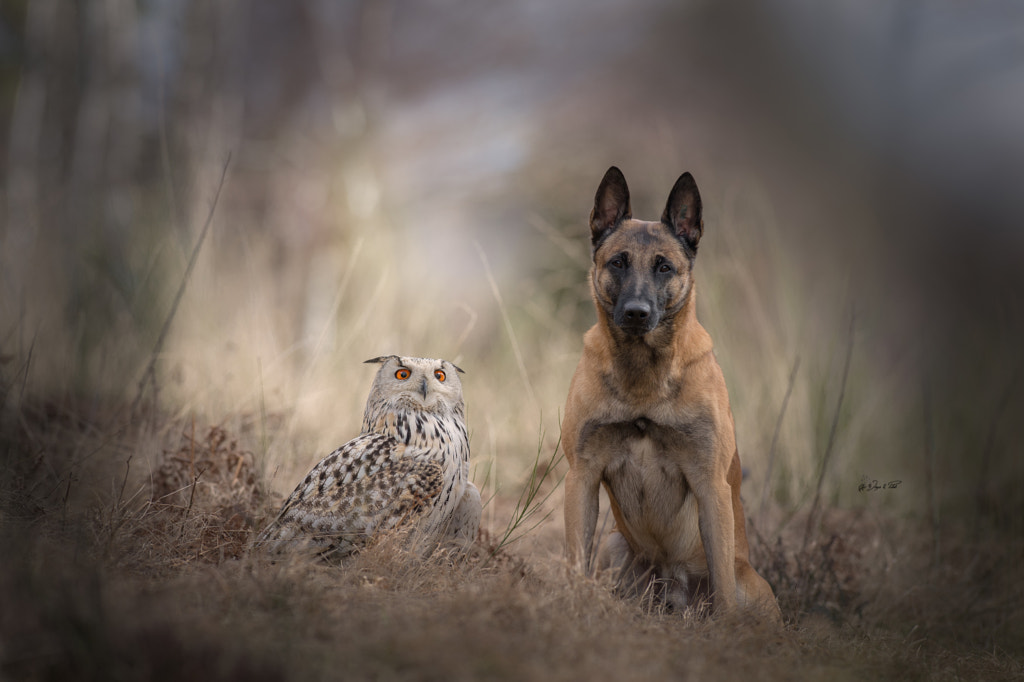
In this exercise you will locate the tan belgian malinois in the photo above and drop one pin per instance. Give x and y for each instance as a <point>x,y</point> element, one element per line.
<point>648,416</point>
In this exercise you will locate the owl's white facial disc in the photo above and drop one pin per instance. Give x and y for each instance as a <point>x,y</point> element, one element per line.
<point>423,383</point>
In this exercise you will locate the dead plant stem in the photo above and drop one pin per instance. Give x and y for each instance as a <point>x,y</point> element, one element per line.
<point>775,437</point>
<point>986,454</point>
<point>812,516</point>
<point>149,374</point>
<point>508,326</point>
<point>929,471</point>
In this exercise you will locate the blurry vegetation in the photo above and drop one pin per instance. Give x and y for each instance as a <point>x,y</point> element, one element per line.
<point>416,178</point>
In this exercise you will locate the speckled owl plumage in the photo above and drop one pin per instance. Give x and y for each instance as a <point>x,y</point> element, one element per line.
<point>408,466</point>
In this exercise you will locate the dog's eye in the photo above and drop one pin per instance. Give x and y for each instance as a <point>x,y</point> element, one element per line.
<point>439,375</point>
<point>617,263</point>
<point>665,267</point>
<point>402,374</point>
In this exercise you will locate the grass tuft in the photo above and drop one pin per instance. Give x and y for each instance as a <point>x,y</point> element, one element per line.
<point>163,580</point>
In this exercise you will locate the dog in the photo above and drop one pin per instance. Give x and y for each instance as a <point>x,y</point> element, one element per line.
<point>648,417</point>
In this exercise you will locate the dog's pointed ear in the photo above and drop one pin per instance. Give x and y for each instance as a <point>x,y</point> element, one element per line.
<point>611,205</point>
<point>683,211</point>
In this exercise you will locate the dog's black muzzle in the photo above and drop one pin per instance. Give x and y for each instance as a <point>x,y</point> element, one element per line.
<point>636,316</point>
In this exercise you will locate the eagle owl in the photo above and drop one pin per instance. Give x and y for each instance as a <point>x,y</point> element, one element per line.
<point>409,465</point>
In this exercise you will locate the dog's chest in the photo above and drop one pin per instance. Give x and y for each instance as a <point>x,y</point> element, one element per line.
<point>642,464</point>
<point>643,470</point>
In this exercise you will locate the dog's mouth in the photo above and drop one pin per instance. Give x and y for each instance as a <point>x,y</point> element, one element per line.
<point>635,329</point>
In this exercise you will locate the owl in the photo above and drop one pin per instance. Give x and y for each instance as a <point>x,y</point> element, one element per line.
<point>408,467</point>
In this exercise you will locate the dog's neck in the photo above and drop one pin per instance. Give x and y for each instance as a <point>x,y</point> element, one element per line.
<point>641,364</point>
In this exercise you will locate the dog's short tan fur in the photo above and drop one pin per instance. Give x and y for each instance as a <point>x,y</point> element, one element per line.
<point>648,416</point>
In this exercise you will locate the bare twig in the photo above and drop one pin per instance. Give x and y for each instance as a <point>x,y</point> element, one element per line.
<point>191,499</point>
<point>508,326</point>
<point>149,374</point>
<point>775,436</point>
<point>118,514</point>
<point>263,419</point>
<point>329,321</point>
<point>192,449</point>
<point>124,481</point>
<point>165,156</point>
<point>929,470</point>
<point>990,442</point>
<point>811,517</point>
<point>24,378</point>
<point>64,502</point>
<point>570,247</point>
<point>79,461</point>
<point>466,331</point>
<point>527,506</point>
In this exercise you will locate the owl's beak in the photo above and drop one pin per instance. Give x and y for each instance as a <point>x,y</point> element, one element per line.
<point>423,387</point>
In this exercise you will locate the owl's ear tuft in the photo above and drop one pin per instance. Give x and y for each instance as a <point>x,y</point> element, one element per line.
<point>457,368</point>
<point>381,360</point>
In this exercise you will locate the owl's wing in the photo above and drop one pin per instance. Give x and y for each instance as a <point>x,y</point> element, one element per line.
<point>366,486</point>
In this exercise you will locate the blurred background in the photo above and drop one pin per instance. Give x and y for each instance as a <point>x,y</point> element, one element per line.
<point>415,178</point>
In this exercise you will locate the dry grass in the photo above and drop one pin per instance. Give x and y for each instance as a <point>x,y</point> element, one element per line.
<point>154,580</point>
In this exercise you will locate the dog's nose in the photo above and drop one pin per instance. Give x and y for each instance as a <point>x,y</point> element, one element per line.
<point>636,312</point>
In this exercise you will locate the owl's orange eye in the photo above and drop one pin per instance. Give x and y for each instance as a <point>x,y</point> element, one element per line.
<point>402,374</point>
<point>439,375</point>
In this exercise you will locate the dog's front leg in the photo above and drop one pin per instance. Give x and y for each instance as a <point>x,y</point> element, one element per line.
<point>717,533</point>
<point>581,507</point>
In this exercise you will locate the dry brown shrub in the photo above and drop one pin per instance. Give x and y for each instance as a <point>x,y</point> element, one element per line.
<point>206,500</point>
<point>208,473</point>
<point>825,576</point>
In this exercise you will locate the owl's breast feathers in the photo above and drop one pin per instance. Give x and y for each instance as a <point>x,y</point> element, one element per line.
<point>440,437</point>
<point>444,431</point>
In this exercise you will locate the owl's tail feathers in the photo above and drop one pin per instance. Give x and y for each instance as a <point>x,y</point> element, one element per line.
<point>281,539</point>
